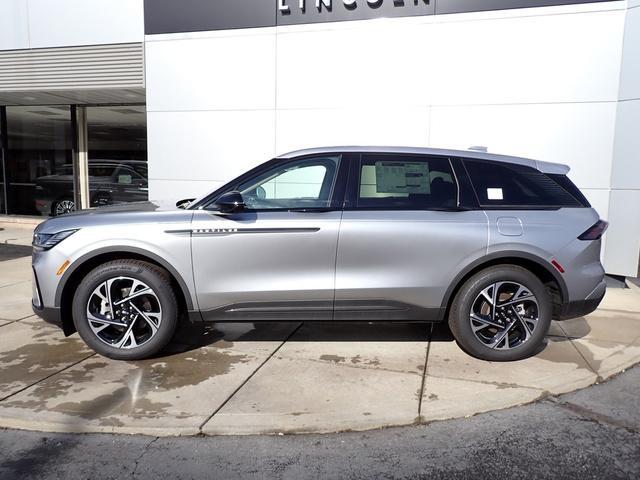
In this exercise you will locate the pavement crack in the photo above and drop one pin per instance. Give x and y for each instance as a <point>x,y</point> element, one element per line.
<point>499,385</point>
<point>12,394</point>
<point>599,379</point>
<point>144,452</point>
<point>424,370</point>
<point>592,416</point>
<point>246,380</point>
<point>11,322</point>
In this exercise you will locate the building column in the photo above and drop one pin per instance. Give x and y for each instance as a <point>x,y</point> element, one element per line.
<point>80,158</point>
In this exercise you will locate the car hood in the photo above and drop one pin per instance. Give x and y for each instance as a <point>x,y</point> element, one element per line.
<point>129,213</point>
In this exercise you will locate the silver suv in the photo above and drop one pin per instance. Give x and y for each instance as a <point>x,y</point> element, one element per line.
<point>497,246</point>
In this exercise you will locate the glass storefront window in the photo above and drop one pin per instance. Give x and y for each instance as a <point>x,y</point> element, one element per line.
<point>39,152</point>
<point>3,149</point>
<point>117,154</point>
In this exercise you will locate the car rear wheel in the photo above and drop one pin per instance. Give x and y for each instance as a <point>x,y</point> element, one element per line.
<point>126,309</point>
<point>501,313</point>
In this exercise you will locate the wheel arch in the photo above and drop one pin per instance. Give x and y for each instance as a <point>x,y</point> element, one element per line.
<point>539,267</point>
<point>82,266</point>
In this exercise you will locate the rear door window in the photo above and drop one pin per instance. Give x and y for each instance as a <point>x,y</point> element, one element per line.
<point>517,186</point>
<point>406,182</point>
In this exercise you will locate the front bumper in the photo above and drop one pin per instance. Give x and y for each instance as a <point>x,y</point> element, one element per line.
<point>580,308</point>
<point>49,314</point>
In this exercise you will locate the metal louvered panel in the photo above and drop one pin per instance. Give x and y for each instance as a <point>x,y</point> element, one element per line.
<point>69,68</point>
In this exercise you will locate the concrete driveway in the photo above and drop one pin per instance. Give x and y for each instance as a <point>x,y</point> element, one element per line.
<point>287,377</point>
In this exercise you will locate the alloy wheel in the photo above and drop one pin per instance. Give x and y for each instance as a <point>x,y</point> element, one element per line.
<point>124,312</point>
<point>504,315</point>
<point>65,206</point>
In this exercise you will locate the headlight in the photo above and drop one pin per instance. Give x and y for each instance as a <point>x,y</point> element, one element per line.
<point>45,241</point>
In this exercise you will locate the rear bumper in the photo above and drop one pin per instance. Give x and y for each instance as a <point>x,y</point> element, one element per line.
<point>43,206</point>
<point>580,308</point>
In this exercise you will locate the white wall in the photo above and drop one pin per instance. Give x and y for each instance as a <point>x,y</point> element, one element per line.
<point>623,238</point>
<point>59,23</point>
<point>542,83</point>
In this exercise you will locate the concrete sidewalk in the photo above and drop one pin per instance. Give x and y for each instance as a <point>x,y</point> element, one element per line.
<point>590,434</point>
<point>287,377</point>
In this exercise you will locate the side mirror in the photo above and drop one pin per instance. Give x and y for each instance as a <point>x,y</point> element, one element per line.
<point>230,202</point>
<point>184,203</point>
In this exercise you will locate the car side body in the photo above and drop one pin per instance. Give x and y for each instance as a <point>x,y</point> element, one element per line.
<point>364,253</point>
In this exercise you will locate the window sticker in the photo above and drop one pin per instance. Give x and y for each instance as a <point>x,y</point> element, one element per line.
<point>407,178</point>
<point>494,194</point>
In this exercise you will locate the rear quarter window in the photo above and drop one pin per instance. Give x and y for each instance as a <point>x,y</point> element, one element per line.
<point>518,186</point>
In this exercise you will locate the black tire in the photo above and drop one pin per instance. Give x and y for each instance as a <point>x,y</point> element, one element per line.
<point>470,296</point>
<point>150,275</point>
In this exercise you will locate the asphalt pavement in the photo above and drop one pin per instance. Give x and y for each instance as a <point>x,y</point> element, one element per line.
<point>592,433</point>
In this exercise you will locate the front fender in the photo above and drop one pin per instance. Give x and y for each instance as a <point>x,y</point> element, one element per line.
<point>174,256</point>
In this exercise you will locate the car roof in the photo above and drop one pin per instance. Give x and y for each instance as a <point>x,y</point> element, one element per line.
<point>546,167</point>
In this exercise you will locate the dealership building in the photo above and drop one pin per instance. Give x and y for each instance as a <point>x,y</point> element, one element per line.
<point>104,101</point>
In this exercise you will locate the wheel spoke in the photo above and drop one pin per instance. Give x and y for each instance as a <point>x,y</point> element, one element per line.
<point>104,321</point>
<point>485,321</point>
<point>525,322</point>
<point>519,300</point>
<point>128,336</point>
<point>504,335</point>
<point>133,295</point>
<point>488,296</point>
<point>145,316</point>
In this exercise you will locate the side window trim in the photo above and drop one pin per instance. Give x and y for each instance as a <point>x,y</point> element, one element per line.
<point>467,198</point>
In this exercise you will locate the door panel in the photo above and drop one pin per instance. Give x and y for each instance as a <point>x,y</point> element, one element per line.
<point>265,265</point>
<point>275,260</point>
<point>403,238</point>
<point>397,265</point>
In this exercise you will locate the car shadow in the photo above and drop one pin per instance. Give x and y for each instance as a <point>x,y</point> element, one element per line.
<point>190,336</point>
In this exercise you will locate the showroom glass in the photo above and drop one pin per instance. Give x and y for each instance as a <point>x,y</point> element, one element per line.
<point>306,183</point>
<point>39,152</point>
<point>406,182</point>
<point>117,155</point>
<point>3,139</point>
<point>511,185</point>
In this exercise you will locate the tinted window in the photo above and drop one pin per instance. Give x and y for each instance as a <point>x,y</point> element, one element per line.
<point>411,182</point>
<point>569,186</point>
<point>303,183</point>
<point>510,185</point>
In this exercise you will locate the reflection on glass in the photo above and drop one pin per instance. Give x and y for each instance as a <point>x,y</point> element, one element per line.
<point>39,158</point>
<point>39,146</point>
<point>117,155</point>
<point>2,153</point>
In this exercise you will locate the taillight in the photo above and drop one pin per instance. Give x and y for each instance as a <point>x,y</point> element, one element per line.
<point>595,232</point>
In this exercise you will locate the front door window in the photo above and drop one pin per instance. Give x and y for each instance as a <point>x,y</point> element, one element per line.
<point>300,184</point>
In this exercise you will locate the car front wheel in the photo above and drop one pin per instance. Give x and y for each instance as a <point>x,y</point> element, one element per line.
<point>501,313</point>
<point>63,206</point>
<point>126,309</point>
